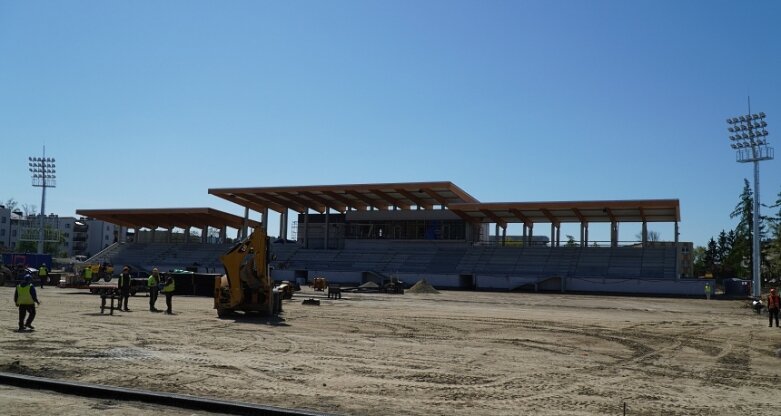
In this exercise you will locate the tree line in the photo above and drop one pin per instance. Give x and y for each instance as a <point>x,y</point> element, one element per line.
<point>729,254</point>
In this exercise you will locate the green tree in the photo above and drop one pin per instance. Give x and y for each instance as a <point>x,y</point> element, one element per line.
<point>772,247</point>
<point>709,256</point>
<point>741,246</point>
<point>698,254</point>
<point>570,241</point>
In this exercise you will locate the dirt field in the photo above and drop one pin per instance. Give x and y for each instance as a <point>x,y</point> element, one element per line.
<point>453,353</point>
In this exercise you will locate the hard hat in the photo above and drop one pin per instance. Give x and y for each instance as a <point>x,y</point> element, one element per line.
<point>28,276</point>
<point>155,270</point>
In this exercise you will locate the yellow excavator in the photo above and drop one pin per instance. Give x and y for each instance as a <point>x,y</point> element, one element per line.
<point>247,285</point>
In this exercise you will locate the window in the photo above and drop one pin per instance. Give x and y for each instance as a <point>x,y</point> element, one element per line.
<point>13,233</point>
<point>2,231</point>
<point>3,220</point>
<point>67,225</point>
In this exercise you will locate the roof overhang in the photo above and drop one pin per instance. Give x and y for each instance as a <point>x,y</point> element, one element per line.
<point>644,210</point>
<point>341,198</point>
<point>167,217</point>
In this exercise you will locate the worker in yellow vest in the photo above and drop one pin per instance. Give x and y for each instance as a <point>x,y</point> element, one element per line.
<point>25,299</point>
<point>153,283</point>
<point>168,291</point>
<point>88,275</point>
<point>43,274</point>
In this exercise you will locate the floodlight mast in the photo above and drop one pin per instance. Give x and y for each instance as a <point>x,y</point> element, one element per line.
<point>749,136</point>
<point>43,172</point>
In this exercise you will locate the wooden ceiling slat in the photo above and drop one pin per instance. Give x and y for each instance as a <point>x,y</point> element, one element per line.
<point>325,203</point>
<point>283,204</point>
<point>363,198</point>
<point>318,206</point>
<point>518,214</point>
<point>351,203</point>
<point>494,218</point>
<point>412,197</point>
<point>441,200</point>
<point>389,199</point>
<point>167,218</point>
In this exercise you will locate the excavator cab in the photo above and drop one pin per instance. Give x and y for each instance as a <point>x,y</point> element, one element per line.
<point>247,285</point>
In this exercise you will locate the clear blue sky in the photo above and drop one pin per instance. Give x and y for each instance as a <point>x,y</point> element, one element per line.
<point>147,104</point>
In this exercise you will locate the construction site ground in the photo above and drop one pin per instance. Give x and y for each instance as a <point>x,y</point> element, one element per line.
<point>451,353</point>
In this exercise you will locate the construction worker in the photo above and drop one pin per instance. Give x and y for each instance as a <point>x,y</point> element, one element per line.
<point>773,306</point>
<point>153,283</point>
<point>25,299</point>
<point>88,275</point>
<point>708,291</point>
<point>168,291</point>
<point>124,288</point>
<point>43,274</point>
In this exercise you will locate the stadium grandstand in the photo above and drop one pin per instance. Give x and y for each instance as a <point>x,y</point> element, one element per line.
<point>352,234</point>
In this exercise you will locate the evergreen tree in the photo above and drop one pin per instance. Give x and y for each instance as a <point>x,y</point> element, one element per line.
<point>723,247</point>
<point>709,258</point>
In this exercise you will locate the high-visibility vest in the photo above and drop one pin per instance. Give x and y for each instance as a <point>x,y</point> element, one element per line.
<point>42,271</point>
<point>168,288</point>
<point>122,278</point>
<point>23,296</point>
<point>88,273</point>
<point>153,281</point>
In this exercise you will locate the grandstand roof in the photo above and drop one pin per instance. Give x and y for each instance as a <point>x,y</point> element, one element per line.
<point>341,198</point>
<point>167,217</point>
<point>649,210</point>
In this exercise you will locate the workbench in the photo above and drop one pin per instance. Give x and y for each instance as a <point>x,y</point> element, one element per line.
<point>107,291</point>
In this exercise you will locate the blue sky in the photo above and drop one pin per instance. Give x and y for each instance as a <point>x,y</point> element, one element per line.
<point>149,104</point>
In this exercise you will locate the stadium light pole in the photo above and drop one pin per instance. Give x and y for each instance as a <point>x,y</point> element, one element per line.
<point>748,134</point>
<point>43,172</point>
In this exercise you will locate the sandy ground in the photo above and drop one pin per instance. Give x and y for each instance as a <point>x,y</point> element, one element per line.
<point>453,353</point>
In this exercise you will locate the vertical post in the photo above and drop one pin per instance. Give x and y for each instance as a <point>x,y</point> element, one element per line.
<point>755,254</point>
<point>749,141</point>
<point>43,210</point>
<point>243,232</point>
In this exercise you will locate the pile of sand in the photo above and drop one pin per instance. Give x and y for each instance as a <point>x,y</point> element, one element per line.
<point>369,285</point>
<point>422,286</point>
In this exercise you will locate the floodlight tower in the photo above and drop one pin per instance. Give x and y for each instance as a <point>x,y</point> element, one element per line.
<point>43,172</point>
<point>748,134</point>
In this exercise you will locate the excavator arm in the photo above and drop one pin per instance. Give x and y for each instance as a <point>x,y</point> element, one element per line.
<point>246,284</point>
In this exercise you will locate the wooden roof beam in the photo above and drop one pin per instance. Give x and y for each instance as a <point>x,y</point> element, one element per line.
<point>285,205</point>
<point>389,199</point>
<point>518,214</point>
<point>466,217</point>
<point>303,203</point>
<point>580,215</point>
<point>325,203</point>
<point>609,213</point>
<point>495,218</point>
<point>350,203</point>
<point>442,201</point>
<point>363,198</point>
<point>412,197</point>
<point>552,218</point>
<point>255,206</point>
